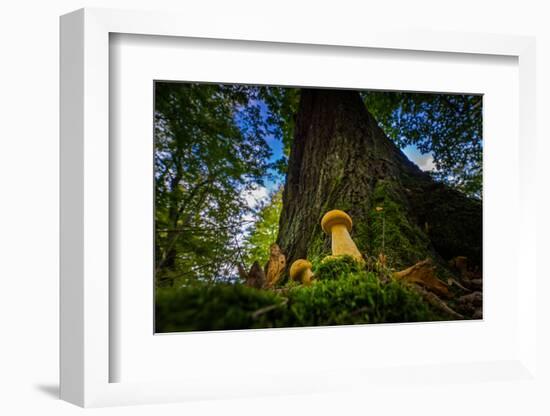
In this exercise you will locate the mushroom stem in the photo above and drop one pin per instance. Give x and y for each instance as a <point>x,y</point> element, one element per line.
<point>342,244</point>
<point>338,224</point>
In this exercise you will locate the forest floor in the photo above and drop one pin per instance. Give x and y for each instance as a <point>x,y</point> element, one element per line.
<point>343,292</point>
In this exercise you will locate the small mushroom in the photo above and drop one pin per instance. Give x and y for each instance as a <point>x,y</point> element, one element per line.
<point>300,271</point>
<point>338,224</point>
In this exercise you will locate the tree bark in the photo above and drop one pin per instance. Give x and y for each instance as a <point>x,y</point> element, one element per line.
<point>341,159</point>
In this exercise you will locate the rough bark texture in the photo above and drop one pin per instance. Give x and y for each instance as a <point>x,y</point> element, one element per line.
<point>341,159</point>
<point>256,276</point>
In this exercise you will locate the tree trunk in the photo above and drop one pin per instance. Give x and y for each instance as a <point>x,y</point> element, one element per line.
<point>341,159</point>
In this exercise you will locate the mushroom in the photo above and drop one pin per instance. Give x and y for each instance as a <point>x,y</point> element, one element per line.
<point>300,271</point>
<point>338,224</point>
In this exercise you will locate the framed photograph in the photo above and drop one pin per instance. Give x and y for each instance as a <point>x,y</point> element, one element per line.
<point>281,213</point>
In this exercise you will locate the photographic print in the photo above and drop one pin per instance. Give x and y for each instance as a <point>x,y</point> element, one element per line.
<point>280,207</point>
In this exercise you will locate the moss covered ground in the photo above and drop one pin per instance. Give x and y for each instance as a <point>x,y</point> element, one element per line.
<point>343,293</point>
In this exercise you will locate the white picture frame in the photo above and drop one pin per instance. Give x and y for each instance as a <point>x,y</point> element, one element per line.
<point>85,217</point>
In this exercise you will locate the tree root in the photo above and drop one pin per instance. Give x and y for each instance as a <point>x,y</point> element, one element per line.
<point>256,276</point>
<point>452,281</point>
<point>436,302</point>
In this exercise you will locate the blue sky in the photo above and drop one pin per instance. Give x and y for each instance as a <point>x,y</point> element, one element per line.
<point>424,161</point>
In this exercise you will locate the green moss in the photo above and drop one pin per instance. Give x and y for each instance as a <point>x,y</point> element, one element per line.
<point>203,307</point>
<point>343,293</point>
<point>318,248</point>
<point>336,268</point>
<point>392,232</point>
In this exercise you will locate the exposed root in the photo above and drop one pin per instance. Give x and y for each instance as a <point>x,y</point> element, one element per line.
<point>437,303</point>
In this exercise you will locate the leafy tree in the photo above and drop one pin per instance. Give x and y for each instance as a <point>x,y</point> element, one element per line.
<point>265,229</point>
<point>209,149</point>
<point>449,126</point>
<point>341,159</point>
<point>283,105</point>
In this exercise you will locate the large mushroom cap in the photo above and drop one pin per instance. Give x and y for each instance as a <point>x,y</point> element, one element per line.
<point>335,217</point>
<point>298,268</point>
